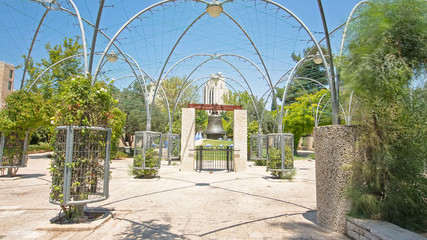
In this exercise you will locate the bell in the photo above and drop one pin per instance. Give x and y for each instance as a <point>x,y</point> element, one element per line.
<point>214,130</point>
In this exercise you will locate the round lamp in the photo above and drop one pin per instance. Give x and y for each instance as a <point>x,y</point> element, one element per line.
<point>214,8</point>
<point>317,58</point>
<point>112,57</point>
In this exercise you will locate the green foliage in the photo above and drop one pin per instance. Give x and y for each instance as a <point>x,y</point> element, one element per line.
<point>299,119</point>
<point>201,120</point>
<point>50,82</point>
<point>275,162</point>
<point>151,164</point>
<point>24,111</point>
<point>386,50</point>
<point>307,70</point>
<point>41,147</point>
<point>80,103</point>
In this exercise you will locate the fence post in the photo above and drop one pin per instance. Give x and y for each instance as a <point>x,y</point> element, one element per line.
<point>201,159</point>
<point>228,158</point>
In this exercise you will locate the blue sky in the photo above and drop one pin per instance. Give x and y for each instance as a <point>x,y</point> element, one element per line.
<point>150,38</point>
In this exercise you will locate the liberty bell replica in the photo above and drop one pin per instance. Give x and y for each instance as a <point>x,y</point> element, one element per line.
<point>214,130</point>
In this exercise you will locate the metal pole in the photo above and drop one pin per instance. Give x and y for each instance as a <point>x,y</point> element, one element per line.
<point>334,88</point>
<point>95,33</point>
<point>31,47</point>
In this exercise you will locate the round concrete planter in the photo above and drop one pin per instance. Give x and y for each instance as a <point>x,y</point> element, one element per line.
<point>336,147</point>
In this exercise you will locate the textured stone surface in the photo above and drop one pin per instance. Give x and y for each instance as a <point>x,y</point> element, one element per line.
<point>188,132</point>
<point>181,205</point>
<point>380,230</point>
<point>240,138</point>
<point>335,147</point>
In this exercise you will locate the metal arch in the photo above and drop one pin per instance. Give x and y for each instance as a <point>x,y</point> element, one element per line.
<point>255,65</point>
<point>83,35</point>
<point>176,44</point>
<point>219,56</point>
<point>347,23</point>
<point>331,81</point>
<point>48,68</point>
<point>189,84</point>
<point>212,57</point>
<point>252,43</point>
<point>285,93</point>
<point>348,116</point>
<point>95,33</point>
<point>219,80</point>
<point>125,25</point>
<point>335,108</point>
<point>102,33</point>
<point>31,47</point>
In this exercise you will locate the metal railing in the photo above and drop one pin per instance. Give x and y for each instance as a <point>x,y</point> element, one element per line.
<point>214,158</point>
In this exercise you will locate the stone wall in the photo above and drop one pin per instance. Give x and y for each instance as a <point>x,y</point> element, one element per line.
<point>361,229</point>
<point>335,148</point>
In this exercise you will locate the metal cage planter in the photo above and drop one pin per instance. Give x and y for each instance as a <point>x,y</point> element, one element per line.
<point>172,146</point>
<point>280,157</point>
<point>258,147</point>
<point>13,152</point>
<point>148,150</point>
<point>80,165</point>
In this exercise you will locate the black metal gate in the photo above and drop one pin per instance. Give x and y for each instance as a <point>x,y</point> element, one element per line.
<point>214,159</point>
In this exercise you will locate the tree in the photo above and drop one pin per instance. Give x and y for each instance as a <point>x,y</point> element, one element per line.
<point>131,101</point>
<point>79,103</point>
<point>299,119</point>
<point>244,99</point>
<point>24,113</point>
<point>49,83</point>
<point>386,50</point>
<point>308,70</point>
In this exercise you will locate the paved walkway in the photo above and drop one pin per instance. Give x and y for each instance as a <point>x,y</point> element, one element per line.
<point>176,206</point>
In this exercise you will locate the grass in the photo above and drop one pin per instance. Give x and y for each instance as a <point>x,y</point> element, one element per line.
<point>304,156</point>
<point>216,143</point>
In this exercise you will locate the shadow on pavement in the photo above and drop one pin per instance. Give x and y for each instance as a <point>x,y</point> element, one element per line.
<point>148,230</point>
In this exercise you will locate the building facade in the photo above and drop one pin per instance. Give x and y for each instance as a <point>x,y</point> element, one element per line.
<point>7,75</point>
<point>215,89</point>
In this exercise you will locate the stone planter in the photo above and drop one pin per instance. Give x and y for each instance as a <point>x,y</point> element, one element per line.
<point>13,152</point>
<point>336,147</point>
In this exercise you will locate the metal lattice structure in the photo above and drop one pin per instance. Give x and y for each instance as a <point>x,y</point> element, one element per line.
<point>172,146</point>
<point>258,147</point>
<point>80,165</point>
<point>280,152</point>
<point>149,145</point>
<point>13,150</point>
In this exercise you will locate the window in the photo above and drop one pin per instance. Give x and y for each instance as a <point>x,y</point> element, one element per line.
<point>10,73</point>
<point>9,85</point>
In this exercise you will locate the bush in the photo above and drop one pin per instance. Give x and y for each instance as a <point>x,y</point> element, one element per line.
<point>41,147</point>
<point>151,161</point>
<point>275,162</point>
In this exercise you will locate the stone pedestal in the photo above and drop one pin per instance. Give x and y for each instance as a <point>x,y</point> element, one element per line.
<point>336,147</point>
<point>188,132</point>
<point>240,138</point>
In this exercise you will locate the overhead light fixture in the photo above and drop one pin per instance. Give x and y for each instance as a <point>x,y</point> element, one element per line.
<point>112,57</point>
<point>317,58</point>
<point>214,8</point>
<point>49,4</point>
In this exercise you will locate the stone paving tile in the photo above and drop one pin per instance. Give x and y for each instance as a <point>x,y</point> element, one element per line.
<point>179,205</point>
